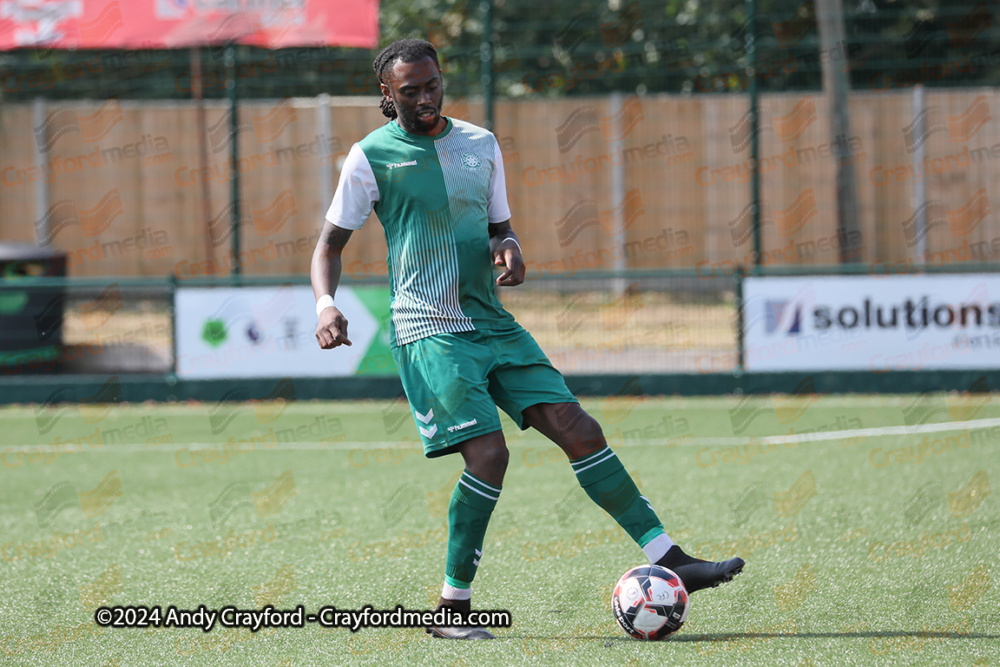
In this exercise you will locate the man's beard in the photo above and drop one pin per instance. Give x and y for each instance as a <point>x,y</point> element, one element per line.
<point>410,121</point>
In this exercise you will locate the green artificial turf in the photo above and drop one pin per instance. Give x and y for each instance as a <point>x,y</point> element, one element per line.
<point>860,549</point>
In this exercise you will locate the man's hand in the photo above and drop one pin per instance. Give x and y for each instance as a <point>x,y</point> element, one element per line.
<point>508,254</point>
<point>332,329</point>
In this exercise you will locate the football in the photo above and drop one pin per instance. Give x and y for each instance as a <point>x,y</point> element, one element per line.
<point>650,602</point>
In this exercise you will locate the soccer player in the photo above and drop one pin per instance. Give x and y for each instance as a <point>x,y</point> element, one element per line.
<point>437,186</point>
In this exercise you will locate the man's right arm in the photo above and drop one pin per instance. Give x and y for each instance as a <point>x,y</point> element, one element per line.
<point>352,203</point>
<point>324,273</point>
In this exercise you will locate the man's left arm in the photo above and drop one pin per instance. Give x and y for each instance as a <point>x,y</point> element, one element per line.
<point>504,246</point>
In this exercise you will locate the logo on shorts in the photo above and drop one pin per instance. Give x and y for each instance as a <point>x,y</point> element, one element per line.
<point>459,427</point>
<point>470,161</point>
<point>432,429</point>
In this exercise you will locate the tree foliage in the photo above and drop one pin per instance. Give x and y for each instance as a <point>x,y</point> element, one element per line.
<point>570,47</point>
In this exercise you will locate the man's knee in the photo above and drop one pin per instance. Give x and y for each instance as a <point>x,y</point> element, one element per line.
<point>583,438</point>
<point>496,455</point>
<point>592,437</point>
<point>487,455</point>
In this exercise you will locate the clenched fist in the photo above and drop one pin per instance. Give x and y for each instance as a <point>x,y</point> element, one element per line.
<point>332,329</point>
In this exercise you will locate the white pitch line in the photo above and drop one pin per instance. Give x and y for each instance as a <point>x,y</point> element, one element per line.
<point>346,407</point>
<point>877,432</point>
<point>397,445</point>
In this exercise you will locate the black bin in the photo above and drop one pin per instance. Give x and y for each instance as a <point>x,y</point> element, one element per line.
<point>31,314</point>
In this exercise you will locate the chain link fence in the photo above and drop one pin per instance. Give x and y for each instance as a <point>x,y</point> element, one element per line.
<point>569,48</point>
<point>626,131</point>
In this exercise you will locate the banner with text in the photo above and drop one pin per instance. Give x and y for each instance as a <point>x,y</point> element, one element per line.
<point>872,323</point>
<point>159,24</point>
<point>246,332</point>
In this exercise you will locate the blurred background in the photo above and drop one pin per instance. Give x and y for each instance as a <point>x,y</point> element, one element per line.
<point>159,206</point>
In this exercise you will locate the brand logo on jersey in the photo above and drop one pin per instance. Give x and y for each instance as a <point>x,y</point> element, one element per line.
<point>396,165</point>
<point>470,161</point>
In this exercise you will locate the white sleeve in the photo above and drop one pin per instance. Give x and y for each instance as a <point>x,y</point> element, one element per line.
<point>497,209</point>
<point>356,193</point>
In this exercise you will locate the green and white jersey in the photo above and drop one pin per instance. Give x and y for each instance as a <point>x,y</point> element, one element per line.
<point>435,197</point>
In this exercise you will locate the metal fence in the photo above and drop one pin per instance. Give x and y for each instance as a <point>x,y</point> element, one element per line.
<point>88,326</point>
<point>719,126</point>
<point>569,48</point>
<point>594,184</point>
<point>638,135</point>
<point>652,322</point>
<point>642,322</point>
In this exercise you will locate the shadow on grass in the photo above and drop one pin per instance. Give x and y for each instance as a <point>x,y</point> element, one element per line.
<point>833,635</point>
<point>737,636</point>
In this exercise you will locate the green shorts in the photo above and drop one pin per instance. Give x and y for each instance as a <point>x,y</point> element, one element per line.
<point>456,381</point>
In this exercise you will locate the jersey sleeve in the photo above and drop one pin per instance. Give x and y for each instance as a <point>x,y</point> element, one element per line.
<point>356,193</point>
<point>497,209</point>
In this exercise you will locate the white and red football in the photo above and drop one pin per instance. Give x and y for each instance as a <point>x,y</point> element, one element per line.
<point>650,602</point>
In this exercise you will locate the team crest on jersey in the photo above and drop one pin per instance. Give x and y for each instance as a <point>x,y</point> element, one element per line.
<point>470,161</point>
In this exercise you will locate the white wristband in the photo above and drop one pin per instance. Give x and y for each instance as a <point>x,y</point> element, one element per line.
<point>511,238</point>
<point>322,303</point>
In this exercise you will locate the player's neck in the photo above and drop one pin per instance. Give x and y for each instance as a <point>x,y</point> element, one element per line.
<point>440,127</point>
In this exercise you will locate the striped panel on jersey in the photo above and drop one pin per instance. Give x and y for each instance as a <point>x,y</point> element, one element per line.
<point>415,212</point>
<point>425,279</point>
<point>467,163</point>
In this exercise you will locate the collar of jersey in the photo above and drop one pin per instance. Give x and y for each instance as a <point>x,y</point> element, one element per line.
<point>398,130</point>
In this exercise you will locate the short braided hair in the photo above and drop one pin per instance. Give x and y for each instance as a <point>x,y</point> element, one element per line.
<point>406,50</point>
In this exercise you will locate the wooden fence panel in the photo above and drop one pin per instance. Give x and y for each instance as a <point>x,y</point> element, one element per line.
<point>664,182</point>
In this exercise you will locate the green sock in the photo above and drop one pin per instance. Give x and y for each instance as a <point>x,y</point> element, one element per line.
<point>472,503</point>
<point>609,485</point>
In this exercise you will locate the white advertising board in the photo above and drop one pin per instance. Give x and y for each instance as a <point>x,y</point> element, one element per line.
<point>872,323</point>
<point>248,332</point>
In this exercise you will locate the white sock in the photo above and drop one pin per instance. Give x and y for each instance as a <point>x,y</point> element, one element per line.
<point>452,593</point>
<point>658,548</point>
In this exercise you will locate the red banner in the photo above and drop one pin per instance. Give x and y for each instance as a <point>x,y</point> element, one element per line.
<point>158,24</point>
